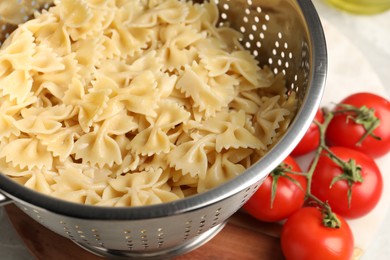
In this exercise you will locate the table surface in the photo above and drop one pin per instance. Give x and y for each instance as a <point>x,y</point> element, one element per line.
<point>370,34</point>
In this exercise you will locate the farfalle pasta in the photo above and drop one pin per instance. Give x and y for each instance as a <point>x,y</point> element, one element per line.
<point>130,103</point>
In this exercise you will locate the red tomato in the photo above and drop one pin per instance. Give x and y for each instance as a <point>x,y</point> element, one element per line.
<point>342,131</point>
<point>311,139</point>
<point>304,237</point>
<point>365,194</point>
<point>289,197</point>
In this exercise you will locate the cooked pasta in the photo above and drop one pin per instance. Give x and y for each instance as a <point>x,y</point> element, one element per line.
<point>128,103</point>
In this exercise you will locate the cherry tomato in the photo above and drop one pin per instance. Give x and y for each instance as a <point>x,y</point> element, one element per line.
<point>343,131</point>
<point>311,139</point>
<point>289,197</point>
<point>304,237</point>
<point>365,193</point>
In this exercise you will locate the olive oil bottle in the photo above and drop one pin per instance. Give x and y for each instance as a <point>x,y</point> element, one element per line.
<point>361,6</point>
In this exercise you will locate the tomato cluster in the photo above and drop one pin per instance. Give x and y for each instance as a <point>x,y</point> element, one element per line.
<point>343,180</point>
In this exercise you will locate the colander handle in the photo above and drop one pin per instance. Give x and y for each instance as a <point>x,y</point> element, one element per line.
<point>4,200</point>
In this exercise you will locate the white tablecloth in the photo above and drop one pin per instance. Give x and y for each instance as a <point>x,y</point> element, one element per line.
<point>370,34</point>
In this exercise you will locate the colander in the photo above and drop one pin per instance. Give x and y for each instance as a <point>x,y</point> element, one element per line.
<point>285,35</point>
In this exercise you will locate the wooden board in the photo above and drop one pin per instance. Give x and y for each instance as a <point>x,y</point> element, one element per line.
<point>242,238</point>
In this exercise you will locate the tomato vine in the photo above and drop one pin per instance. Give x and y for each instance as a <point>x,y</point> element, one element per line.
<point>341,182</point>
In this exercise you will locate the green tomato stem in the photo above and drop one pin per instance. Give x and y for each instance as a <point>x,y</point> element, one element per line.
<point>329,219</point>
<point>322,145</point>
<point>363,116</point>
<point>351,171</point>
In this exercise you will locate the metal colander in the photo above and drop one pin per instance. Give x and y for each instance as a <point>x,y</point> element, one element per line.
<point>287,36</point>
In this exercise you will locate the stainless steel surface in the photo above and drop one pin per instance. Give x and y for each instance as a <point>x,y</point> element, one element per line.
<point>168,253</point>
<point>4,200</point>
<point>287,36</point>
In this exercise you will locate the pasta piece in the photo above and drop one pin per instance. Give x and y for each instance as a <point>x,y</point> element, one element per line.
<point>170,115</point>
<point>17,52</point>
<point>170,11</point>
<point>166,85</point>
<point>143,188</point>
<point>61,142</point>
<point>131,162</point>
<point>74,93</point>
<point>191,157</point>
<point>246,65</point>
<point>57,82</point>
<point>204,97</point>
<point>231,131</point>
<point>77,184</point>
<point>7,127</point>
<point>229,37</point>
<point>119,124</point>
<point>177,51</point>
<point>129,41</point>
<point>97,148</point>
<point>141,95</point>
<point>43,121</point>
<point>74,13</point>
<point>27,153</point>
<point>216,61</point>
<point>183,180</point>
<point>148,62</point>
<point>84,18</point>
<point>154,140</point>
<point>195,12</point>
<point>40,181</point>
<point>222,170</point>
<point>268,119</point>
<point>220,62</point>
<point>48,31</point>
<point>45,60</point>
<point>242,103</point>
<point>13,108</point>
<point>110,49</point>
<point>210,15</point>
<point>21,79</point>
<point>88,54</point>
<point>91,107</point>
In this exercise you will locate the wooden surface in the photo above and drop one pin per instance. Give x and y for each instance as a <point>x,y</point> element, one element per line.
<point>242,238</point>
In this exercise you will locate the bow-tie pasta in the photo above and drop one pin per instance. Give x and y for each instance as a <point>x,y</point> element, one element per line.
<point>128,103</point>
